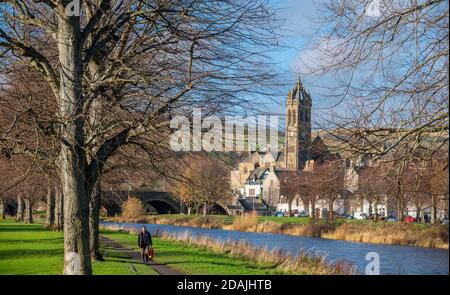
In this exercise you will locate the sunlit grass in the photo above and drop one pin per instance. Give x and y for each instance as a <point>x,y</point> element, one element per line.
<point>27,249</point>
<point>191,259</point>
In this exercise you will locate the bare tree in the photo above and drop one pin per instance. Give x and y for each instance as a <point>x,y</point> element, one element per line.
<point>329,182</point>
<point>372,187</point>
<point>20,210</point>
<point>120,70</point>
<point>389,66</point>
<point>205,182</point>
<point>290,187</point>
<point>59,209</point>
<point>50,214</point>
<point>2,207</point>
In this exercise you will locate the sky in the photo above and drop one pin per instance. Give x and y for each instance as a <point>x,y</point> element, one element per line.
<point>298,26</point>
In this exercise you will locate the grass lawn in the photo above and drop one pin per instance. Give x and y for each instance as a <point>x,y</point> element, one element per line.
<point>284,219</point>
<point>30,249</point>
<point>194,260</point>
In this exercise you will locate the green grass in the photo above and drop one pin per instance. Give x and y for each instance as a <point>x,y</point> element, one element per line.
<point>27,249</point>
<point>195,260</point>
<point>284,219</point>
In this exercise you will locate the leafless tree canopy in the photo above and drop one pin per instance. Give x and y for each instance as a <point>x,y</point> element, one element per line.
<point>389,63</point>
<point>113,75</point>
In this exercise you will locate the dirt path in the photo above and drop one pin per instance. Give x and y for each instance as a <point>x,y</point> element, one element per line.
<point>159,268</point>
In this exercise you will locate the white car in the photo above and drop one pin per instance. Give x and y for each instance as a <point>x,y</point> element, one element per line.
<point>359,216</point>
<point>302,213</point>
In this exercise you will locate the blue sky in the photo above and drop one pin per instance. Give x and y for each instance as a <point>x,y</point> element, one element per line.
<point>297,16</point>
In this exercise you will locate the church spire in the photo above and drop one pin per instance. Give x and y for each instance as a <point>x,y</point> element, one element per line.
<point>299,88</point>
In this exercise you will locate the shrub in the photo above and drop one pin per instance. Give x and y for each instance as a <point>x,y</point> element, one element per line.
<point>133,208</point>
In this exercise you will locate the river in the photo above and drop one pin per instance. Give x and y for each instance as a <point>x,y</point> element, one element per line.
<point>393,259</point>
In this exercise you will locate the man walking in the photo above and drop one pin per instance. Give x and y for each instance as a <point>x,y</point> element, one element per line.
<point>144,242</point>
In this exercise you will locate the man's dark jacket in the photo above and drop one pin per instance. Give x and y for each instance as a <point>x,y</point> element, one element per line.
<point>144,239</point>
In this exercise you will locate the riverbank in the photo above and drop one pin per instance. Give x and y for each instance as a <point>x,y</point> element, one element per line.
<point>202,255</point>
<point>392,233</point>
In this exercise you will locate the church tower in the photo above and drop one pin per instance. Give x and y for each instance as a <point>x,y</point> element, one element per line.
<point>298,128</point>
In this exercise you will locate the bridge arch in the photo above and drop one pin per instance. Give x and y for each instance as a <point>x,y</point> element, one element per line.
<point>154,202</point>
<point>160,207</point>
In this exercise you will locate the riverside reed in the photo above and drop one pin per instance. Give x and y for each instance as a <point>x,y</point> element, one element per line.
<point>302,263</point>
<point>394,233</point>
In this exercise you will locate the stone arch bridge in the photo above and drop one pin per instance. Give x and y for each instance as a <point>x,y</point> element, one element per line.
<point>154,201</point>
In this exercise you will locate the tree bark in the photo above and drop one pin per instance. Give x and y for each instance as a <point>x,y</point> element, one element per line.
<point>2,208</point>
<point>290,207</point>
<point>72,161</point>
<point>400,210</point>
<point>94,218</point>
<point>370,209</point>
<point>50,214</point>
<point>331,209</point>
<point>19,215</point>
<point>313,209</point>
<point>433,208</point>
<point>189,210</point>
<point>59,210</point>
<point>28,211</point>
<point>205,210</point>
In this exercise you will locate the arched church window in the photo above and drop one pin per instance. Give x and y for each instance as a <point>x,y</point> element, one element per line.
<point>289,118</point>
<point>293,118</point>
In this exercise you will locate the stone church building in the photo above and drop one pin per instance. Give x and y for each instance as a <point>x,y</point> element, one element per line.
<point>261,178</point>
<point>256,181</point>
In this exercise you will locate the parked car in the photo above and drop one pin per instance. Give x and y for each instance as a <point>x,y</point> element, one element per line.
<point>359,216</point>
<point>444,221</point>
<point>409,219</point>
<point>345,216</point>
<point>301,213</point>
<point>278,214</point>
<point>293,213</point>
<point>390,219</point>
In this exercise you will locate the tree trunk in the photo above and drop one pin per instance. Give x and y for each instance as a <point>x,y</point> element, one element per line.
<point>400,212</point>
<point>50,214</point>
<point>28,211</point>
<point>77,258</point>
<point>376,210</point>
<point>418,212</point>
<point>205,210</point>
<point>433,208</point>
<point>189,210</point>
<point>331,209</point>
<point>313,209</point>
<point>94,218</point>
<point>59,210</point>
<point>2,209</point>
<point>290,207</point>
<point>19,216</point>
